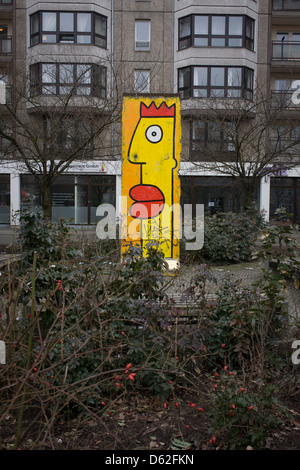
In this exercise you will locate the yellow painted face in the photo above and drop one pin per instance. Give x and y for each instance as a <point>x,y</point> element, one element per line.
<point>153,144</point>
<point>150,181</point>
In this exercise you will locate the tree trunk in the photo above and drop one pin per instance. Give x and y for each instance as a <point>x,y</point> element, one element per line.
<point>248,199</point>
<point>249,190</point>
<point>46,201</point>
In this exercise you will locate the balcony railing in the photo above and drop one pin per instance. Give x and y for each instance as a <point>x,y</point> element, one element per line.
<point>286,5</point>
<point>285,99</point>
<point>288,146</point>
<point>286,50</point>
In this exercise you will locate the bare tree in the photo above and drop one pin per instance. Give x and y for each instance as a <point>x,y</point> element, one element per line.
<point>57,114</point>
<point>245,139</point>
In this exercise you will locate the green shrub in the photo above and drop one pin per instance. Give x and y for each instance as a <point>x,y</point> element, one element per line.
<point>229,237</point>
<point>243,415</point>
<point>241,325</point>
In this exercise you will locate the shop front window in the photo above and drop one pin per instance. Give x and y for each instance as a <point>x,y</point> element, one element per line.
<point>285,195</point>
<point>217,193</point>
<point>74,198</point>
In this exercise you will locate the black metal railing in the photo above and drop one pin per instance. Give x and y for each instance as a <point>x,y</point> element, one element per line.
<point>285,99</point>
<point>286,50</point>
<point>287,5</point>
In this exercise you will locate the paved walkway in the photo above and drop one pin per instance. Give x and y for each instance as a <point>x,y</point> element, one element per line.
<point>245,273</point>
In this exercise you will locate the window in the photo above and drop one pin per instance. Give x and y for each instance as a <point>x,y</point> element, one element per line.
<point>68,79</point>
<point>66,135</point>
<point>5,40</point>
<point>286,139</point>
<point>142,35</point>
<point>211,135</point>
<point>142,81</point>
<point>6,131</point>
<point>5,89</point>
<point>4,199</point>
<point>74,197</point>
<point>217,193</point>
<point>221,82</point>
<point>68,28</point>
<point>216,30</point>
<point>283,92</point>
<point>286,5</point>
<point>286,46</point>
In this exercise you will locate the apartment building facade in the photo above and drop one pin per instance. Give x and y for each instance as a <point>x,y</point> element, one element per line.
<point>208,52</point>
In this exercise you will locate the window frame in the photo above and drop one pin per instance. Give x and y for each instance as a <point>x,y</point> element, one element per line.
<point>96,38</point>
<point>283,6</point>
<point>189,90</point>
<point>97,84</point>
<point>64,140</point>
<point>223,144</point>
<point>136,40</point>
<point>146,83</point>
<point>190,39</point>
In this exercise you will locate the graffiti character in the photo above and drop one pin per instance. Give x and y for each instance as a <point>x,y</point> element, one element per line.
<point>153,159</point>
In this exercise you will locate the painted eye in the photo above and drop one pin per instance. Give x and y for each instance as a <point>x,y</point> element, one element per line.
<point>154,134</point>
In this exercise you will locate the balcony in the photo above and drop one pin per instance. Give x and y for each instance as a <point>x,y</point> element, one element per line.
<point>286,5</point>
<point>285,13</point>
<point>285,100</point>
<point>290,148</point>
<point>6,8</point>
<point>285,54</point>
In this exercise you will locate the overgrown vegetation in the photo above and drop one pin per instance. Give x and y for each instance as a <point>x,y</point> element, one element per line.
<point>83,329</point>
<point>229,237</point>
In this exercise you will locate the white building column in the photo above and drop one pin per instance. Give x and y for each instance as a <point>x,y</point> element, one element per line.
<point>118,196</point>
<point>15,198</point>
<point>264,202</point>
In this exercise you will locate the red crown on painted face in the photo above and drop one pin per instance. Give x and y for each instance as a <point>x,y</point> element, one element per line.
<point>162,111</point>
